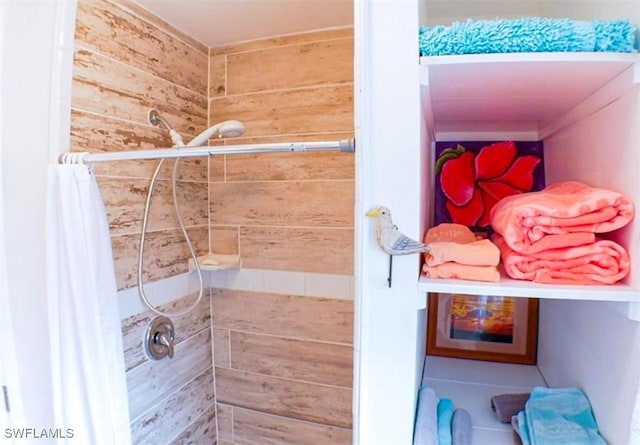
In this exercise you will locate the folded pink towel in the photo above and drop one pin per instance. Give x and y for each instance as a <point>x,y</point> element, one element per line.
<point>462,272</point>
<point>601,262</point>
<point>476,253</point>
<point>452,232</point>
<point>564,214</point>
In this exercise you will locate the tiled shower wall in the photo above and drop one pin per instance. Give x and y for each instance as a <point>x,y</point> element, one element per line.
<point>284,363</point>
<point>172,401</point>
<point>125,63</point>
<point>284,370</point>
<point>124,66</point>
<point>285,211</point>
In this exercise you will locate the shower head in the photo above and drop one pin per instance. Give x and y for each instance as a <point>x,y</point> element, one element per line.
<point>226,129</point>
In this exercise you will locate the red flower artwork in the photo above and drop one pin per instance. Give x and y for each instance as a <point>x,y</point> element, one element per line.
<point>473,183</point>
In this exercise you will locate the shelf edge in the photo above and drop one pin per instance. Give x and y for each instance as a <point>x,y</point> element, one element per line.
<point>518,288</point>
<point>533,57</point>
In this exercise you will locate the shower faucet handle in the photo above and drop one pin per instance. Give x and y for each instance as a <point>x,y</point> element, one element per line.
<point>159,338</point>
<point>166,340</point>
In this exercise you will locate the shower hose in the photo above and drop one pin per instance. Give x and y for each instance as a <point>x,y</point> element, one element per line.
<point>143,232</point>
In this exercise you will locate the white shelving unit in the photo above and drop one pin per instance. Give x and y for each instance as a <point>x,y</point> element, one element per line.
<point>584,107</point>
<point>575,103</point>
<point>526,96</point>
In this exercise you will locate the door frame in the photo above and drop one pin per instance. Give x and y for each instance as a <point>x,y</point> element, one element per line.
<point>9,377</point>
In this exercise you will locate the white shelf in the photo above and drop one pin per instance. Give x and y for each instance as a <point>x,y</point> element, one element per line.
<point>217,261</point>
<point>470,384</point>
<point>528,95</point>
<point>521,288</point>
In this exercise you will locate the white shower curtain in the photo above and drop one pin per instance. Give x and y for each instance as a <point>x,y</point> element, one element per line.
<point>89,386</point>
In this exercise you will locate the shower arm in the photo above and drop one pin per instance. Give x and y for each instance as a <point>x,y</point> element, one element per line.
<point>156,119</point>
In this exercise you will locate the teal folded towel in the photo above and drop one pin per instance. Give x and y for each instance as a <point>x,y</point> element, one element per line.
<point>557,416</point>
<point>426,426</point>
<point>528,34</point>
<point>445,416</point>
<point>461,427</point>
<point>519,423</point>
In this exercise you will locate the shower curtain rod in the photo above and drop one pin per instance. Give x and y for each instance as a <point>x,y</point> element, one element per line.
<point>344,145</point>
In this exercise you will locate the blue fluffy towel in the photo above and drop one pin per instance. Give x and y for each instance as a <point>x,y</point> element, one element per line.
<point>445,416</point>
<point>557,416</point>
<point>532,34</point>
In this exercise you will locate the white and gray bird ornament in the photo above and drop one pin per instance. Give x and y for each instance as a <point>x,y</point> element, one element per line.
<point>391,240</point>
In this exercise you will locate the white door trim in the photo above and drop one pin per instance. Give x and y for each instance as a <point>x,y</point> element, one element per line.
<point>9,379</point>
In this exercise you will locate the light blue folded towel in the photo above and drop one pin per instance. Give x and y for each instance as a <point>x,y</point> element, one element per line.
<point>426,426</point>
<point>461,427</point>
<point>445,416</point>
<point>528,34</point>
<point>557,416</point>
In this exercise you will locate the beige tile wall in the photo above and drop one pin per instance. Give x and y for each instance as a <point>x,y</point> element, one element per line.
<point>172,400</point>
<point>283,367</point>
<point>284,363</point>
<point>125,63</point>
<point>285,211</point>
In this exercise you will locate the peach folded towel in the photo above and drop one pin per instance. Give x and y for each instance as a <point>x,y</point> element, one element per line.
<point>476,253</point>
<point>462,272</point>
<point>455,233</point>
<point>564,214</point>
<point>601,262</point>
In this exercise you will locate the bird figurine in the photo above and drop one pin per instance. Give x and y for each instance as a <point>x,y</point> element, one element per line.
<point>391,240</point>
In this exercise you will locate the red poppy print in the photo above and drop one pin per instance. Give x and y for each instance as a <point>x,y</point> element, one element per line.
<point>472,183</point>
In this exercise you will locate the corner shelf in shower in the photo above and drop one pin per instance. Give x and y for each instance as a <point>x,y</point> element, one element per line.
<point>217,261</point>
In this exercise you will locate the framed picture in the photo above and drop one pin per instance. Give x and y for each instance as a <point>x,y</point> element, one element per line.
<point>483,327</point>
<point>471,176</point>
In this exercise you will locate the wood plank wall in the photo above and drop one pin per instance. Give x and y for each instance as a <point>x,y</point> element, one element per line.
<point>125,63</point>
<point>283,368</point>
<point>284,363</point>
<point>285,211</point>
<point>172,401</point>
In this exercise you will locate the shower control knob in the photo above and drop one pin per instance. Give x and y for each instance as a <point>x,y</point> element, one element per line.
<point>159,338</point>
<point>163,339</point>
